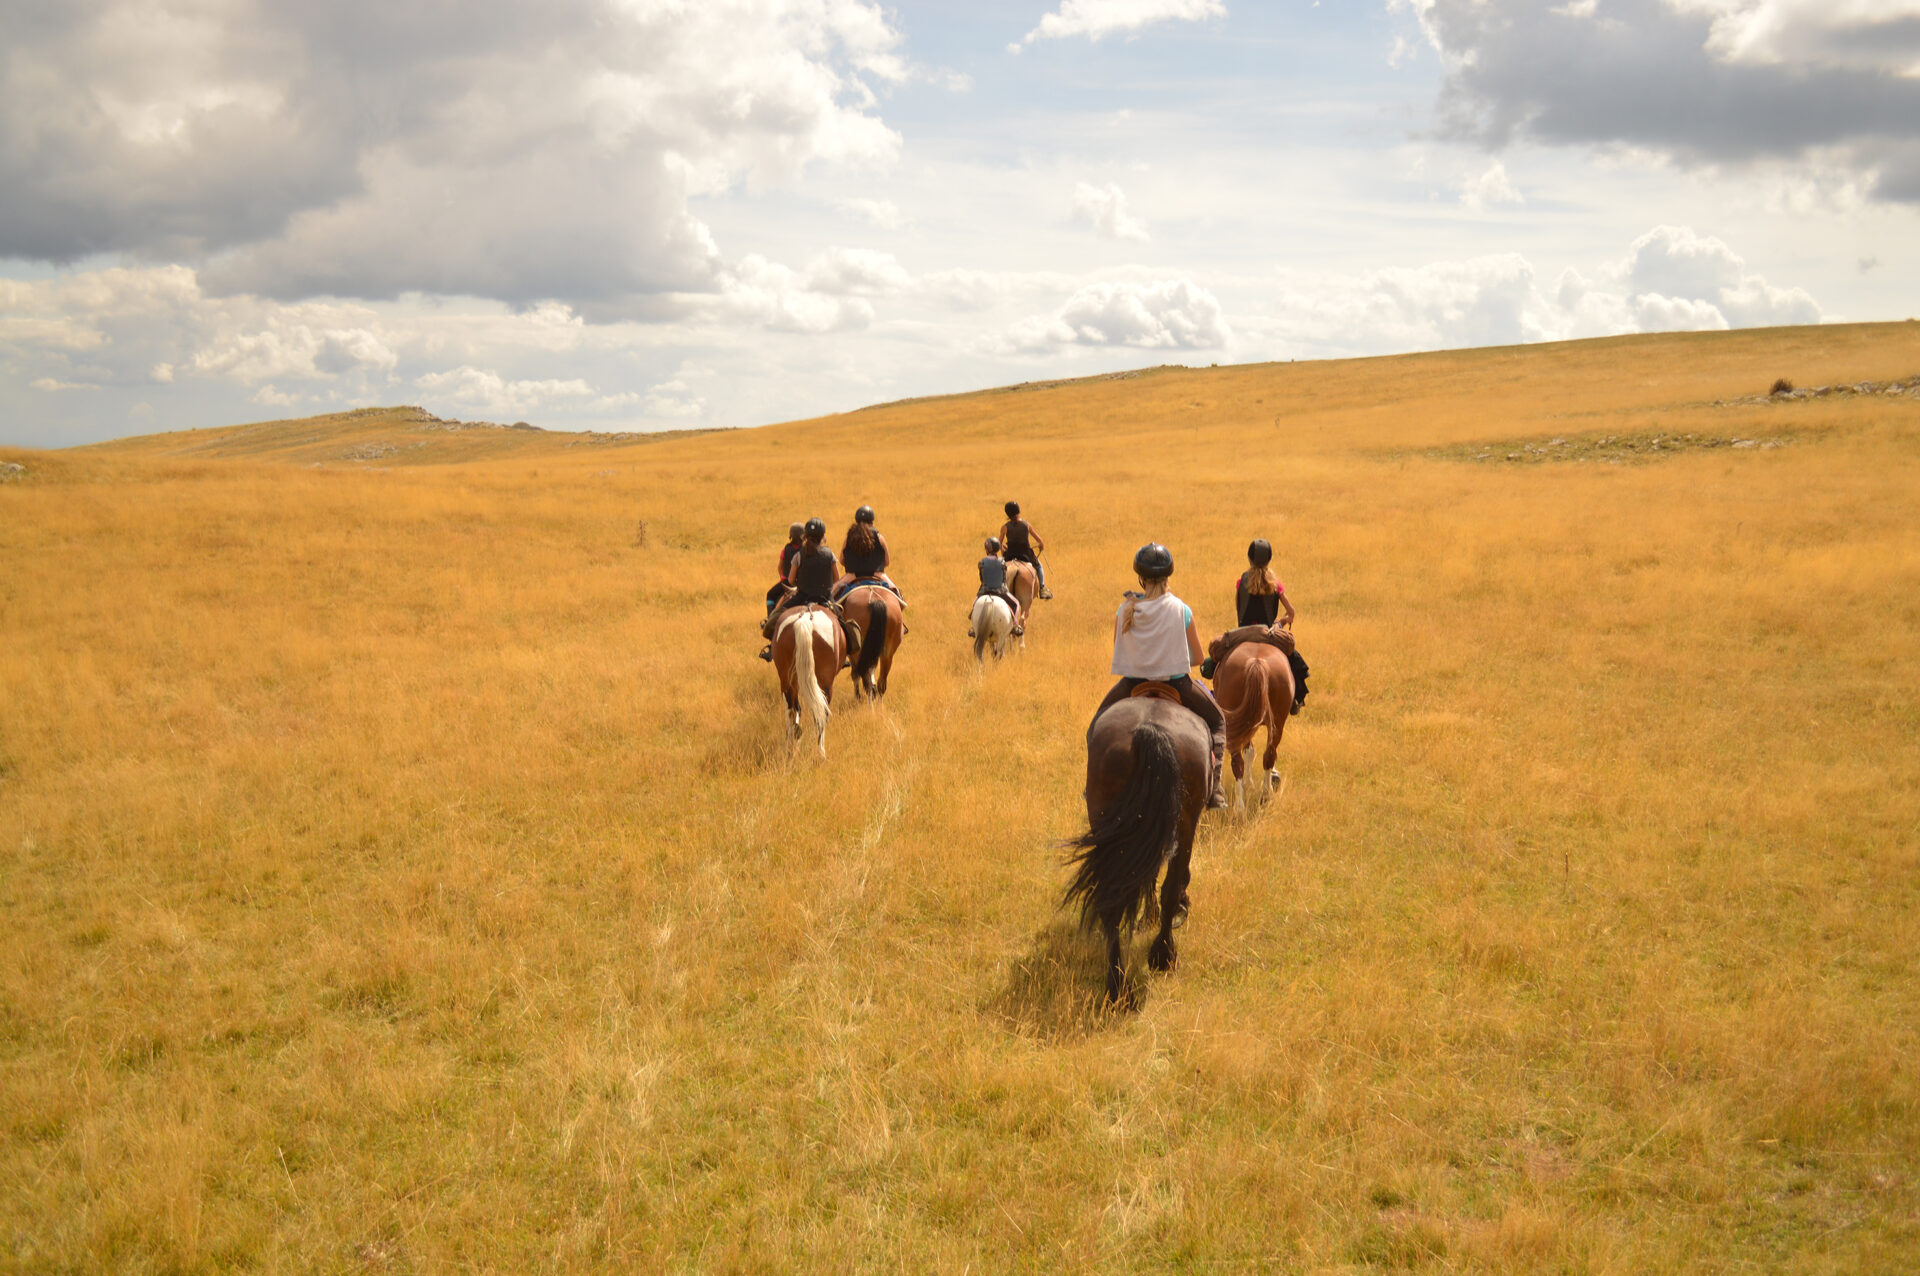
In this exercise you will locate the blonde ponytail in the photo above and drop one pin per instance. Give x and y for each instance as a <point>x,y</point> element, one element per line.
<point>1152,589</point>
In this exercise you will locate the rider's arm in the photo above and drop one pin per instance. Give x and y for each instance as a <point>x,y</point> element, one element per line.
<point>1288,604</point>
<point>1194,654</point>
<point>1034,536</point>
<point>886,555</point>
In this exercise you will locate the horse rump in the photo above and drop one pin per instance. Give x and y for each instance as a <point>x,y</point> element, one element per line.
<point>1118,859</point>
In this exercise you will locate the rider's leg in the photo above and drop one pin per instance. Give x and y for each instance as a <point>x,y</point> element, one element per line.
<point>1195,697</point>
<point>1040,573</point>
<point>1121,690</point>
<point>1299,666</point>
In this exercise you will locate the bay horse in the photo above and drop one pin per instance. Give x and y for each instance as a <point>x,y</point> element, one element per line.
<point>808,650</point>
<point>874,612</point>
<point>992,627</point>
<point>1146,786</point>
<point>1254,686</point>
<point>1023,583</point>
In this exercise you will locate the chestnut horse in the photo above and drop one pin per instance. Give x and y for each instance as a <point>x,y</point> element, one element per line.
<point>808,650</point>
<point>1146,785</point>
<point>1023,583</point>
<point>874,612</point>
<point>1254,686</point>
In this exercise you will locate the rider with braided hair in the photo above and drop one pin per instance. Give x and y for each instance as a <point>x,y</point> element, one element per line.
<point>1154,641</point>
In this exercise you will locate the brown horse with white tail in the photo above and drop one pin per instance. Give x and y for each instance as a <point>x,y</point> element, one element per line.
<point>808,650</point>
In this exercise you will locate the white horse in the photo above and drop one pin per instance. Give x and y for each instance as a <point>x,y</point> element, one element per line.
<point>992,627</point>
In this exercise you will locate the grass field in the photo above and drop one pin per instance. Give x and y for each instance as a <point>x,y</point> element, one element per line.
<point>403,869</point>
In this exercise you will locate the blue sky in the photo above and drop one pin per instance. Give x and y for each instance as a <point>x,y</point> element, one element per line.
<point>638,214</point>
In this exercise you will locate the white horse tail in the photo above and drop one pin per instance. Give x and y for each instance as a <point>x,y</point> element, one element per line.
<point>807,683</point>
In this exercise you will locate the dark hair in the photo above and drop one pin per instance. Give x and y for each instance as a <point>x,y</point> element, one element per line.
<point>1013,509</point>
<point>861,539</point>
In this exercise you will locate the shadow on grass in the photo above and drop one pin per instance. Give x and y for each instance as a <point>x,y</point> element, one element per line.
<point>1058,987</point>
<point>755,737</point>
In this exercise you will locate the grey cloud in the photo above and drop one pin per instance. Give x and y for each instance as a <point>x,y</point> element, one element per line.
<point>1645,73</point>
<point>464,147</point>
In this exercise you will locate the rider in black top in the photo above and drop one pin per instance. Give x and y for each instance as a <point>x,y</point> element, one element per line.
<point>1020,543</point>
<point>993,582</point>
<point>809,579</point>
<point>864,557</point>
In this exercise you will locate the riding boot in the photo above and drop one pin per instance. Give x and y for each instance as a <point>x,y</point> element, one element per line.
<point>1217,794</point>
<point>1040,574</point>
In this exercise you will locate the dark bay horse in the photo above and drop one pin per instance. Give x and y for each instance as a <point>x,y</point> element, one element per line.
<point>1254,686</point>
<point>1146,786</point>
<point>808,650</point>
<point>874,611</point>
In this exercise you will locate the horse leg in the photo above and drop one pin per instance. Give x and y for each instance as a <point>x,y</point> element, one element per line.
<point>1116,971</point>
<point>1173,899</point>
<point>1242,760</point>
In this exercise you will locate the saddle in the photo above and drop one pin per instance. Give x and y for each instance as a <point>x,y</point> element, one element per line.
<point>1156,691</point>
<point>1271,635</point>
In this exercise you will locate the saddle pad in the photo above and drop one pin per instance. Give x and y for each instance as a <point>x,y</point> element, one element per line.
<point>788,619</point>
<point>1155,691</point>
<point>1272,637</point>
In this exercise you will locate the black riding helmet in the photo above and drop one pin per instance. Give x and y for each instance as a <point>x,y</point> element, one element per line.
<point>1153,562</point>
<point>1260,553</point>
<point>816,529</point>
<point>864,514</point>
<point>1013,509</point>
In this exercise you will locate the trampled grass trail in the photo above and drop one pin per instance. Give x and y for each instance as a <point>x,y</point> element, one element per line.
<point>403,867</point>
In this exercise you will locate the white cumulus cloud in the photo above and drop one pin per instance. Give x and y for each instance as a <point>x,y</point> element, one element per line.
<point>1670,279</point>
<point>1105,209</point>
<point>1489,189</point>
<point>1163,314</point>
<point>1097,18</point>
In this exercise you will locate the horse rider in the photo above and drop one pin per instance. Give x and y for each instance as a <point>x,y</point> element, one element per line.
<point>810,576</point>
<point>1020,543</point>
<point>993,583</point>
<point>864,557</point>
<point>787,551</point>
<point>1258,597</point>
<point>1154,641</point>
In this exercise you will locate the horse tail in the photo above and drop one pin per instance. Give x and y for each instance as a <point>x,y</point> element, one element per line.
<point>981,613</point>
<point>807,682</point>
<point>1118,858</point>
<point>874,641</point>
<point>1245,714</point>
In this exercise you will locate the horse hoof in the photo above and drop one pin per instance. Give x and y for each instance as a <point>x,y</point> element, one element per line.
<point>1162,956</point>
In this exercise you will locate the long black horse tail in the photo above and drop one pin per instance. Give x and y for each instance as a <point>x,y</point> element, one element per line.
<point>874,641</point>
<point>1117,860</point>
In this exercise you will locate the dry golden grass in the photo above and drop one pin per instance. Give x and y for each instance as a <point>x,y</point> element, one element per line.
<point>404,870</point>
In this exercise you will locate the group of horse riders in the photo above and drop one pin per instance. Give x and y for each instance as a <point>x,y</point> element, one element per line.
<point>1154,639</point>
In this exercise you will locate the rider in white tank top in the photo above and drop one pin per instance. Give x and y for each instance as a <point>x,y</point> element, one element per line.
<point>1155,645</point>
